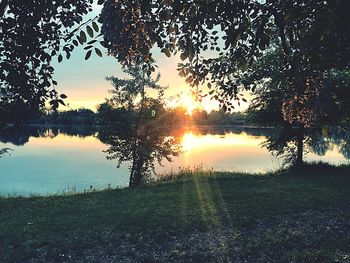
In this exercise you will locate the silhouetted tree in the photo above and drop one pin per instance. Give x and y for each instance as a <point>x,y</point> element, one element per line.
<point>315,105</point>
<point>144,138</point>
<point>143,142</point>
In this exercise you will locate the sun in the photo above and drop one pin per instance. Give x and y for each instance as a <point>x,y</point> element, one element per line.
<point>189,103</point>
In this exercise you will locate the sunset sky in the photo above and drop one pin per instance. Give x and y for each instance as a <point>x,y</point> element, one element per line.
<point>85,85</point>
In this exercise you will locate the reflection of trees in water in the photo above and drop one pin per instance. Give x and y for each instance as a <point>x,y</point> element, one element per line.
<point>156,138</point>
<point>341,138</point>
<point>223,130</point>
<point>143,144</point>
<point>287,144</point>
<point>143,147</point>
<point>19,135</point>
<point>284,143</point>
<point>4,151</point>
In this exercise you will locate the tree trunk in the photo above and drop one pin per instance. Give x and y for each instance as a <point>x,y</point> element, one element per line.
<point>136,171</point>
<point>132,172</point>
<point>300,152</point>
<point>136,175</point>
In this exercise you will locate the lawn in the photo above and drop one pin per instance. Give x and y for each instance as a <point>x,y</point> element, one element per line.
<point>289,216</point>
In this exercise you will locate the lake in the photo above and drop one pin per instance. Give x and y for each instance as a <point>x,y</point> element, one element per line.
<point>45,160</point>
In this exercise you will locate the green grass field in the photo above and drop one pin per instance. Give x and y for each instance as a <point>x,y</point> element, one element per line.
<point>290,216</point>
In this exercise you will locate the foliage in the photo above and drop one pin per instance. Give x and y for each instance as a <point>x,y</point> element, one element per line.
<point>126,91</point>
<point>31,35</point>
<point>74,117</point>
<point>268,82</point>
<point>341,79</point>
<point>138,126</point>
<point>144,141</point>
<point>218,38</point>
<point>107,114</point>
<point>320,103</point>
<point>274,104</point>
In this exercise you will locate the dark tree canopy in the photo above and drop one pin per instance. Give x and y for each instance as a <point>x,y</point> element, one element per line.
<point>32,33</point>
<point>216,39</point>
<point>323,102</point>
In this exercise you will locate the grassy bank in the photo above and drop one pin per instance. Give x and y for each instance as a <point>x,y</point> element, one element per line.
<point>292,216</point>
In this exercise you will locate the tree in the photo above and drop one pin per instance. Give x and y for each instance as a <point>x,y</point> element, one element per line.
<point>32,33</point>
<point>235,32</point>
<point>118,116</point>
<point>126,91</point>
<point>181,114</point>
<point>144,138</point>
<point>321,103</point>
<point>199,115</point>
<point>142,144</point>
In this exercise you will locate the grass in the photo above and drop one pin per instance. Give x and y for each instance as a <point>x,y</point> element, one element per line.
<point>290,216</point>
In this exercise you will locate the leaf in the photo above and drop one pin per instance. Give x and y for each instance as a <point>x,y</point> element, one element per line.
<point>103,43</point>
<point>90,31</point>
<point>88,47</point>
<point>182,73</point>
<point>80,40</point>
<point>83,36</point>
<point>98,52</point>
<point>166,52</point>
<point>209,24</point>
<point>88,54</point>
<point>91,42</point>
<point>95,26</point>
<point>61,102</point>
<point>60,58</point>
<point>100,2</point>
<point>63,96</point>
<point>183,56</point>
<point>193,11</point>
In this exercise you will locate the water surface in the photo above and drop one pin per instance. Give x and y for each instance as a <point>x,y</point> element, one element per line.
<point>52,160</point>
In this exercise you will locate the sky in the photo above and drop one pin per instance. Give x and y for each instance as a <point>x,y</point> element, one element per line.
<point>85,85</point>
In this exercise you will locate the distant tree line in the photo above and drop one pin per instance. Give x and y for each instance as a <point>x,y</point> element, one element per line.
<point>70,117</point>
<point>215,117</point>
<point>106,114</point>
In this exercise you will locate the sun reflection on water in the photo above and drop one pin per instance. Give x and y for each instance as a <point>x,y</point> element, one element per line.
<point>191,141</point>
